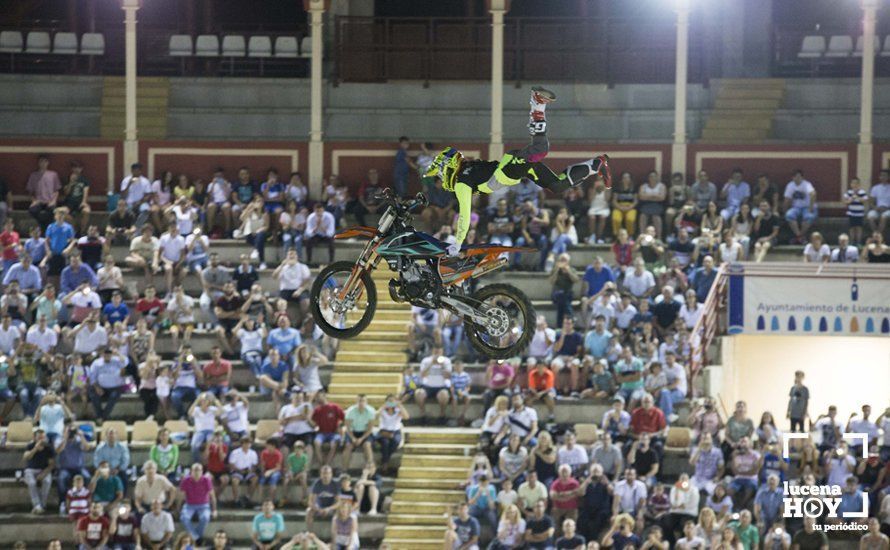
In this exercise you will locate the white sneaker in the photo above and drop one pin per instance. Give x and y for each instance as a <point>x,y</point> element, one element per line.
<point>255,255</point>
<point>263,266</point>
<point>672,418</point>
<point>62,509</point>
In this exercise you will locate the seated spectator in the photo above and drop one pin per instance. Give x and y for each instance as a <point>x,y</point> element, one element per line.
<point>92,530</point>
<point>703,278</point>
<point>463,529</point>
<point>77,499</point>
<point>511,528</point>
<point>816,251</point>
<point>542,340</point>
<point>205,412</point>
<point>84,303</point>
<point>320,229</point>
<point>47,306</point>
<point>629,374</point>
<point>624,205</point>
<point>541,388</point>
<point>216,374</point>
<point>156,527</point>
<point>151,487</point>
<point>676,389</point>
<point>215,461</point>
<point>271,468</point>
<point>708,463</point>
<point>523,421</point>
<point>293,224</point>
<point>359,424</point>
<point>878,252</point>
<point>647,419</point>
<point>622,249</point>
<point>121,224</point>
<point>639,282</point>
<point>482,499</point>
<point>165,453</point>
<point>630,495</point>
<point>562,235</point>
<point>844,253</point>
<point>800,206</point>
<point>170,256</point>
<point>533,228</point>
<point>742,225</point>
<point>71,453</point>
<point>181,312</point>
<point>500,224</point>
<point>144,253</point>
<point>51,416</point>
<point>323,497</point>
<point>184,391</point>
<point>389,434</point>
<point>735,192</point>
<point>745,465</point>
<point>564,495</point>
<point>539,528</point>
<point>197,250</point>
<point>730,250</point>
<point>616,420</point>
<point>328,417</point>
<point>107,382</point>
<point>296,471</point>
<point>435,375</point>
<point>644,460</point>
<point>124,527</point>
<point>268,527</point>
<point>197,498</point>
<point>40,458</point>
<point>513,461</point>
<point>26,274</point>
<point>745,531</point>
<point>106,488</point>
<point>684,499</point>
<point>652,196</point>
<point>573,455</point>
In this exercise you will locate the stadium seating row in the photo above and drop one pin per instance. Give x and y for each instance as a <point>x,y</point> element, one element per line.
<point>61,43</point>
<point>838,46</point>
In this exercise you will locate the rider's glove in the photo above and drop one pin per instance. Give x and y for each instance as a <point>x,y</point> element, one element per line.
<point>453,249</point>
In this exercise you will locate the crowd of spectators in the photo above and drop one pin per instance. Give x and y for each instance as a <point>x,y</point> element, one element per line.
<point>76,336</point>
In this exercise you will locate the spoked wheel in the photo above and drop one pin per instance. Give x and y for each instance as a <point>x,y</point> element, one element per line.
<point>340,312</point>
<point>510,322</point>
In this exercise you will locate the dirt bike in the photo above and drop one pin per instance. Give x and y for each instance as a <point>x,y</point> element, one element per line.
<point>498,319</point>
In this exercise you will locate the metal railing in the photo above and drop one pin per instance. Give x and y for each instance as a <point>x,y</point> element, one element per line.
<point>708,325</point>
<point>539,48</point>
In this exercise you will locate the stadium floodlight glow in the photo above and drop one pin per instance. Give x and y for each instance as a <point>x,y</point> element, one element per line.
<point>130,3</point>
<point>681,5</point>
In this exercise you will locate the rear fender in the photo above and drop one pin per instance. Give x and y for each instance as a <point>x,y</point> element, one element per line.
<point>360,231</point>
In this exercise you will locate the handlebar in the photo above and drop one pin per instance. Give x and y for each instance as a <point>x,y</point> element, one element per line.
<point>406,205</point>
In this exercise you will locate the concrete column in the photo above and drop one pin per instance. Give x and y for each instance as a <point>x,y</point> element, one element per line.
<point>678,149</point>
<point>865,149</point>
<point>131,145</point>
<point>316,10</point>
<point>496,145</point>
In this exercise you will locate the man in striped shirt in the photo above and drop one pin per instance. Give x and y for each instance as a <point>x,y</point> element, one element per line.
<point>460,392</point>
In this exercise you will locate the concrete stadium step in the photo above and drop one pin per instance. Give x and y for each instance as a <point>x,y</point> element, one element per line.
<point>466,436</point>
<point>372,346</point>
<point>370,334</point>
<point>382,314</point>
<point>368,389</point>
<point>427,483</point>
<point>347,399</point>
<point>755,121</point>
<point>439,472</point>
<point>438,448</point>
<point>449,496</point>
<point>424,532</point>
<point>362,366</point>
<point>406,507</point>
<point>414,544</point>
<point>377,357</point>
<point>357,377</point>
<point>38,529</point>
<point>436,520</point>
<point>751,93</point>
<point>434,461</point>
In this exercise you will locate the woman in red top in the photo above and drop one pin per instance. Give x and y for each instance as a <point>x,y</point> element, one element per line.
<point>215,456</point>
<point>9,238</point>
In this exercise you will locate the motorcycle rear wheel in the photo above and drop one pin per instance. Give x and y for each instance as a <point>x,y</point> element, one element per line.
<point>521,308</point>
<point>321,284</point>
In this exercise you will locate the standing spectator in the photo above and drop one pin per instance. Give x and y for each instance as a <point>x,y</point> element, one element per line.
<point>624,205</point>
<point>59,236</point>
<point>800,206</point>
<point>564,494</point>
<point>40,458</point>
<point>205,412</point>
<point>185,382</point>
<point>856,199</point>
<point>328,417</point>
<point>219,190</point>
<point>91,530</point>
<point>320,229</point>
<point>563,278</point>
<point>254,227</point>
<point>367,201</point>
<point>401,167</point>
<point>197,497</point>
<point>267,527</point>
<point>880,203</point>
<point>599,212</point>
<point>798,402</point>
<point>156,527</point>
<point>52,414</point>
<point>43,186</point>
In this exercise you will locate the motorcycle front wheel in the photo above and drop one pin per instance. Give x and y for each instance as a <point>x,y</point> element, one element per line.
<point>512,322</point>
<point>340,317</point>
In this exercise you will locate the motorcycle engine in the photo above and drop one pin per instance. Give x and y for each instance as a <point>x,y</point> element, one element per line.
<point>416,284</point>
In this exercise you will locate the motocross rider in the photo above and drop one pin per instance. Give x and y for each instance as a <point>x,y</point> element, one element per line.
<point>467,177</point>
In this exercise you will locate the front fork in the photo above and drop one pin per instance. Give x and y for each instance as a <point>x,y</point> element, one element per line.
<point>366,262</point>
